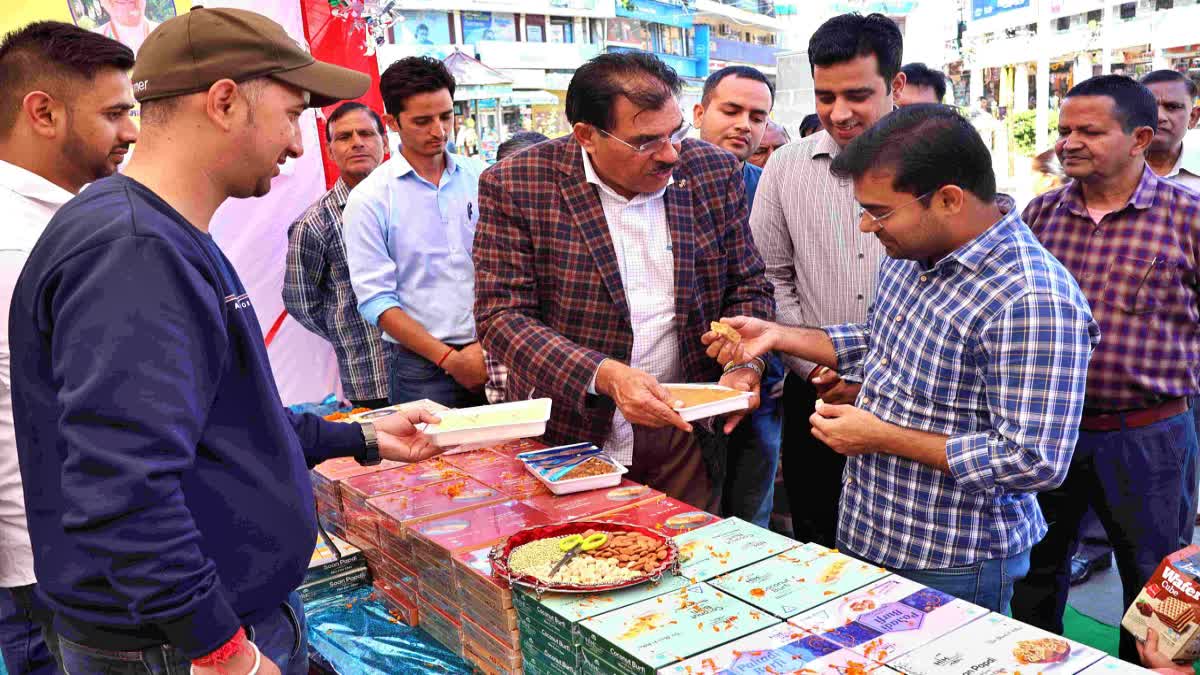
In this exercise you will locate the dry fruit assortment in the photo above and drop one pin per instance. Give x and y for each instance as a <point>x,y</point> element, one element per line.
<point>622,557</point>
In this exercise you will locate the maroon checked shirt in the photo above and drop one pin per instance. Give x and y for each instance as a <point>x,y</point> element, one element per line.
<point>1139,271</point>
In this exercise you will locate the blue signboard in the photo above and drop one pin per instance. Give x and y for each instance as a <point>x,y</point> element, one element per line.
<point>982,9</point>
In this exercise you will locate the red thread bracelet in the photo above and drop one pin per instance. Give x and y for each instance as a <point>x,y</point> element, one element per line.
<point>224,653</point>
<point>449,351</point>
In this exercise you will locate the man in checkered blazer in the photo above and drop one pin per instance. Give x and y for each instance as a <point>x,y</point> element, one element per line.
<point>600,259</point>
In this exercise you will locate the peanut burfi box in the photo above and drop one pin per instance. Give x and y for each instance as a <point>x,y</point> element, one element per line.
<point>798,580</point>
<point>781,649</point>
<point>723,547</point>
<point>655,633</point>
<point>1170,604</point>
<point>998,645</point>
<point>888,618</point>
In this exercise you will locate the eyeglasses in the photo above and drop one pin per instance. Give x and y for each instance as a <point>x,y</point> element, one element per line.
<point>877,221</point>
<point>655,145</point>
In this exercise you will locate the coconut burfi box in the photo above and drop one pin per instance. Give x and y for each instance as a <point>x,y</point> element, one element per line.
<point>398,511</point>
<point>510,477</point>
<point>1113,666</point>
<point>888,618</point>
<point>666,515</point>
<point>1170,604</point>
<point>798,580</point>
<point>996,645</point>
<point>658,632</point>
<point>589,504</point>
<point>716,549</point>
<point>477,460</point>
<point>783,648</point>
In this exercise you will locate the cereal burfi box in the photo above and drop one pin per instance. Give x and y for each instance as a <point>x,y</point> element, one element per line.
<point>516,447</point>
<point>780,649</point>
<point>888,618</point>
<point>798,580</point>
<point>399,478</point>
<point>722,547</point>
<point>509,477</point>
<point>480,527</point>
<point>478,460</point>
<point>1170,604</point>
<point>655,633</point>
<point>588,505</point>
<point>1112,666</point>
<point>998,645</point>
<point>666,515</point>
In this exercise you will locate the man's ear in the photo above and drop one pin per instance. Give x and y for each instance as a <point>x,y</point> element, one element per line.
<point>220,103</point>
<point>43,113</point>
<point>949,199</point>
<point>898,84</point>
<point>1194,117</point>
<point>586,135</point>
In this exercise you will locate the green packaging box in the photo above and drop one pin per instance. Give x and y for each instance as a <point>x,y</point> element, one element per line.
<point>654,633</point>
<point>723,547</point>
<point>796,581</point>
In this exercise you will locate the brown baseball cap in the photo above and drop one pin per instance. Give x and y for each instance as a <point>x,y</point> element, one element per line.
<point>188,53</point>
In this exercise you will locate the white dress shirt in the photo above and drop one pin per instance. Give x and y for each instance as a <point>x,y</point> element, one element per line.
<point>1187,167</point>
<point>642,240</point>
<point>28,202</point>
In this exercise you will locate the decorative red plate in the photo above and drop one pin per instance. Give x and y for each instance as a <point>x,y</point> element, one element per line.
<point>500,552</point>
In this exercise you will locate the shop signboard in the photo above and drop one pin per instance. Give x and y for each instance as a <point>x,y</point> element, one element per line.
<point>982,9</point>
<point>480,26</point>
<point>423,28</point>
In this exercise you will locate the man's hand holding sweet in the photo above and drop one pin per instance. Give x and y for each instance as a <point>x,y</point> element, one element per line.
<point>401,441</point>
<point>848,430</point>
<point>640,397</point>
<point>757,338</point>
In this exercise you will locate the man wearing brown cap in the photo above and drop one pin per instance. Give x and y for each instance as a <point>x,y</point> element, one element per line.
<point>166,488</point>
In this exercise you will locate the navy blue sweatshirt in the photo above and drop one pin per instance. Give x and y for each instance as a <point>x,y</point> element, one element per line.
<point>166,486</point>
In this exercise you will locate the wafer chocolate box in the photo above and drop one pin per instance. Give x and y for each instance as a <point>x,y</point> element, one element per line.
<point>888,618</point>
<point>1170,604</point>
<point>998,645</point>
<point>798,580</point>
<point>725,546</point>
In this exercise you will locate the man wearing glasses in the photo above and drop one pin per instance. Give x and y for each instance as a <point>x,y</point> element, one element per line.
<point>601,258</point>
<point>973,362</point>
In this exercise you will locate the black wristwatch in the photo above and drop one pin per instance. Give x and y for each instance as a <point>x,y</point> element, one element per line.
<point>370,454</point>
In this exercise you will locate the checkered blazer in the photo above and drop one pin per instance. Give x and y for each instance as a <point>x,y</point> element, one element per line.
<point>549,302</point>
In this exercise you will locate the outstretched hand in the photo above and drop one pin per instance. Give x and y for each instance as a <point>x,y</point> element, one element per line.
<point>758,338</point>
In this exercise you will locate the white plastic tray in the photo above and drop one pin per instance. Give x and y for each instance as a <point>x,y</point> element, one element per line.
<point>566,487</point>
<point>533,424</point>
<point>727,405</point>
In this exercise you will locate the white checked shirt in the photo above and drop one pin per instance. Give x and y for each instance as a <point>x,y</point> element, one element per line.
<point>642,240</point>
<point>28,202</point>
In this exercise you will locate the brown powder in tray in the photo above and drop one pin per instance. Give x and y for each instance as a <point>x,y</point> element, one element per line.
<point>593,466</point>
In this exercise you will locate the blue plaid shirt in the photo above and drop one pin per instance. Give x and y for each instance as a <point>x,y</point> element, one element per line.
<point>990,346</point>
<point>318,294</point>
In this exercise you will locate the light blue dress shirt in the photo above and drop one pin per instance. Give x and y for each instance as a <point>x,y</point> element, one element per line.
<point>408,245</point>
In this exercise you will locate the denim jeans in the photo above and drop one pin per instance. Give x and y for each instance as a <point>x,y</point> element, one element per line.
<point>21,641</point>
<point>754,455</point>
<point>988,583</point>
<point>412,377</point>
<point>1142,485</point>
<point>281,637</point>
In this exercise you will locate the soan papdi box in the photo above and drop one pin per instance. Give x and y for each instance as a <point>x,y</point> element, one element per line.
<point>1170,604</point>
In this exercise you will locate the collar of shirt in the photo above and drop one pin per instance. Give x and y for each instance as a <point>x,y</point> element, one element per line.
<point>589,172</point>
<point>1188,162</point>
<point>401,167</point>
<point>825,145</point>
<point>974,253</point>
<point>1141,199</point>
<point>32,186</point>
<point>340,193</point>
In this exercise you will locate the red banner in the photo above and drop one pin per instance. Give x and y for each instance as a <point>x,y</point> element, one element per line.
<point>342,42</point>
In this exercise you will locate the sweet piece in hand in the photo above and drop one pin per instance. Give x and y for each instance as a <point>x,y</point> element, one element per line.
<point>401,441</point>
<point>757,338</point>
<point>726,331</point>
